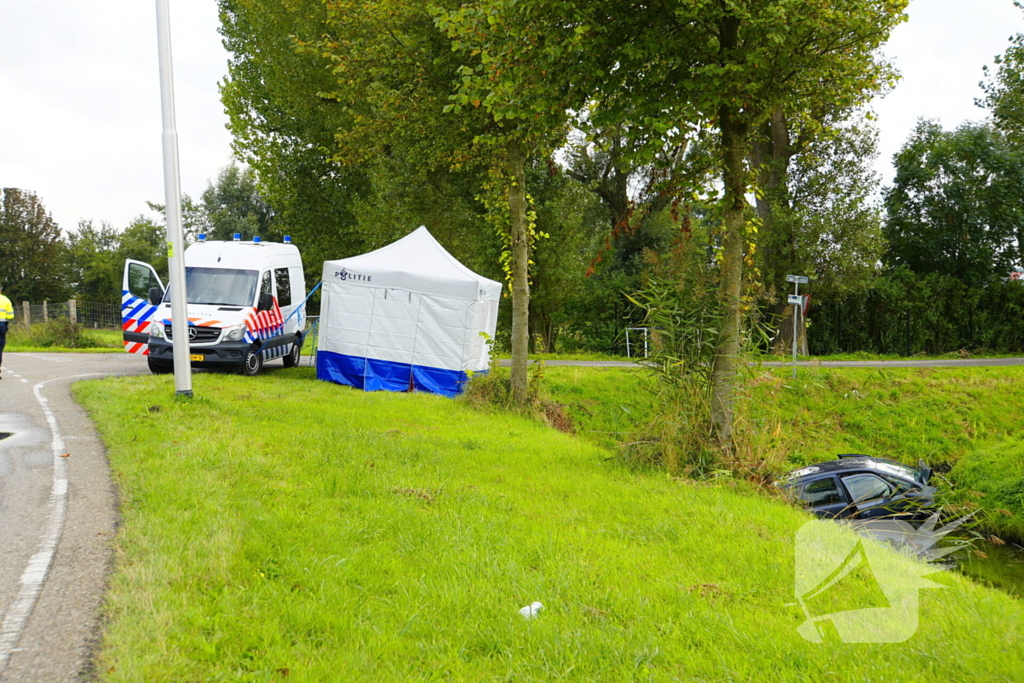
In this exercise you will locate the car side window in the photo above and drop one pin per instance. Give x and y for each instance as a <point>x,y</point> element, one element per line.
<point>140,280</point>
<point>284,287</point>
<point>265,286</point>
<point>864,487</point>
<point>900,486</point>
<point>821,492</point>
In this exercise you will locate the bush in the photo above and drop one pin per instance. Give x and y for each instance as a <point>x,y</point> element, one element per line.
<point>907,314</point>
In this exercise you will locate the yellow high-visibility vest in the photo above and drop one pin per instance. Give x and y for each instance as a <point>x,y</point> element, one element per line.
<point>6,309</point>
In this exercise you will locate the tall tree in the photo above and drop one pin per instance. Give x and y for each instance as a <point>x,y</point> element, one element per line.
<point>956,206</point>
<point>32,265</point>
<point>1004,88</point>
<point>729,64</point>
<point>814,203</point>
<point>528,119</point>
<point>234,205</point>
<point>284,121</point>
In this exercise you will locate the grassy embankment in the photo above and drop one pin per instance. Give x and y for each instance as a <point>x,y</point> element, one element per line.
<point>61,336</point>
<point>281,527</point>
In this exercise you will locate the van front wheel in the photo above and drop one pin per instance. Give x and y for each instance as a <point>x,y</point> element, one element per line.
<point>158,368</point>
<point>253,364</point>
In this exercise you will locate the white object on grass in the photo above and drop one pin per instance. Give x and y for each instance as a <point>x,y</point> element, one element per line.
<point>531,610</point>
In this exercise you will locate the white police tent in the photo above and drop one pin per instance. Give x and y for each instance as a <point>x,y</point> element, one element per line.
<point>406,317</point>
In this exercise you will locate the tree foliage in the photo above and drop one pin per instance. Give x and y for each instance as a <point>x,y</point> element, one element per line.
<point>1004,88</point>
<point>729,65</point>
<point>957,204</point>
<point>234,205</point>
<point>284,124</point>
<point>96,256</point>
<point>32,264</point>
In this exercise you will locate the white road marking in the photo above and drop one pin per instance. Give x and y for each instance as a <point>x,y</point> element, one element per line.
<point>35,573</point>
<point>25,381</point>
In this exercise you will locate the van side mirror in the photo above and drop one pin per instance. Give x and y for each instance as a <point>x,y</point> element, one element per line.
<point>155,295</point>
<point>266,303</point>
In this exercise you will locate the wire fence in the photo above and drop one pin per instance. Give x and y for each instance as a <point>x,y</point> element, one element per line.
<point>312,339</point>
<point>89,314</point>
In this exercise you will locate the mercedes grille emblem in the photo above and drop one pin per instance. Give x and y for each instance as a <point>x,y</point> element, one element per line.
<point>192,332</point>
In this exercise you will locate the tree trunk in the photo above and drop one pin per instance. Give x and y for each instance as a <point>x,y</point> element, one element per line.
<point>783,341</point>
<point>723,378</point>
<point>520,271</point>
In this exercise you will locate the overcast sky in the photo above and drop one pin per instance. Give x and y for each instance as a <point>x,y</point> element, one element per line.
<point>80,98</point>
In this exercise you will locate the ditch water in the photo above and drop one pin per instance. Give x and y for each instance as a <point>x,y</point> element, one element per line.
<point>1001,567</point>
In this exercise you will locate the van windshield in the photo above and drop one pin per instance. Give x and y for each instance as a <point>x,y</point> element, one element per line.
<point>220,286</point>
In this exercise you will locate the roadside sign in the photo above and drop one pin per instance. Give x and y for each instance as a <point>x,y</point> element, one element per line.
<point>796,300</point>
<point>798,279</point>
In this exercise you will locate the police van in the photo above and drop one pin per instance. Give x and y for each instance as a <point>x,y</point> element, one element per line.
<point>245,304</point>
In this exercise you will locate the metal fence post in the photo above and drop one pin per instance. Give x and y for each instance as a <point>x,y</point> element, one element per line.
<point>46,313</point>
<point>25,306</point>
<point>73,311</point>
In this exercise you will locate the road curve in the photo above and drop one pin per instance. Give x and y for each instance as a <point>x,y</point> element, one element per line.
<point>58,515</point>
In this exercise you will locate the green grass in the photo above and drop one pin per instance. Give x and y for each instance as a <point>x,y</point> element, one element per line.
<point>281,528</point>
<point>938,414</point>
<point>993,478</point>
<point>866,356</point>
<point>966,422</point>
<point>59,336</point>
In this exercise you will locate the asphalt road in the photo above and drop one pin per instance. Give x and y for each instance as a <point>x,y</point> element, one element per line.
<point>58,516</point>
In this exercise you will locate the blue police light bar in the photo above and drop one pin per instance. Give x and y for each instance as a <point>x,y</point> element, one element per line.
<point>238,237</point>
<point>202,237</point>
<point>287,239</point>
<point>256,239</point>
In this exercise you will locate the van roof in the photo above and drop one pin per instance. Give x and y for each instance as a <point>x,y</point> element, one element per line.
<point>241,255</point>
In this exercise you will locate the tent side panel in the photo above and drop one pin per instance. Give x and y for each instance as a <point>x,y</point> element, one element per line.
<point>439,381</point>
<point>345,321</point>
<point>393,327</point>
<point>485,320</point>
<point>344,331</point>
<point>440,333</point>
<point>340,369</point>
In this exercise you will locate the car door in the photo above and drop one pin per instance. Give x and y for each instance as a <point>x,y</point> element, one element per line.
<point>137,312</point>
<point>286,298</point>
<point>873,496</point>
<point>824,497</point>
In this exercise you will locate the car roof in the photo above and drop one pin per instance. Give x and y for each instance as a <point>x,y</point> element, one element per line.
<point>852,463</point>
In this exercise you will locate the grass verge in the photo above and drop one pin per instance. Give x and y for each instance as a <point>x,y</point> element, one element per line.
<point>61,336</point>
<point>282,528</point>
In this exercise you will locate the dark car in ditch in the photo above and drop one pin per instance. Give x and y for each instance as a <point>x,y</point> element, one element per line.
<point>855,486</point>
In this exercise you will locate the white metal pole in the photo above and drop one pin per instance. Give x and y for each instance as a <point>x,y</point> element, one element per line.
<point>796,312</point>
<point>172,193</point>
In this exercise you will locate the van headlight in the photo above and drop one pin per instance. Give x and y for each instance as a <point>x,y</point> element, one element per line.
<point>156,330</point>
<point>234,333</point>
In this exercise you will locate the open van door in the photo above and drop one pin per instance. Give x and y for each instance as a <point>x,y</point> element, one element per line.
<point>137,312</point>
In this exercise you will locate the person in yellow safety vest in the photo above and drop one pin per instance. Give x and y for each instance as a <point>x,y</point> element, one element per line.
<point>6,315</point>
